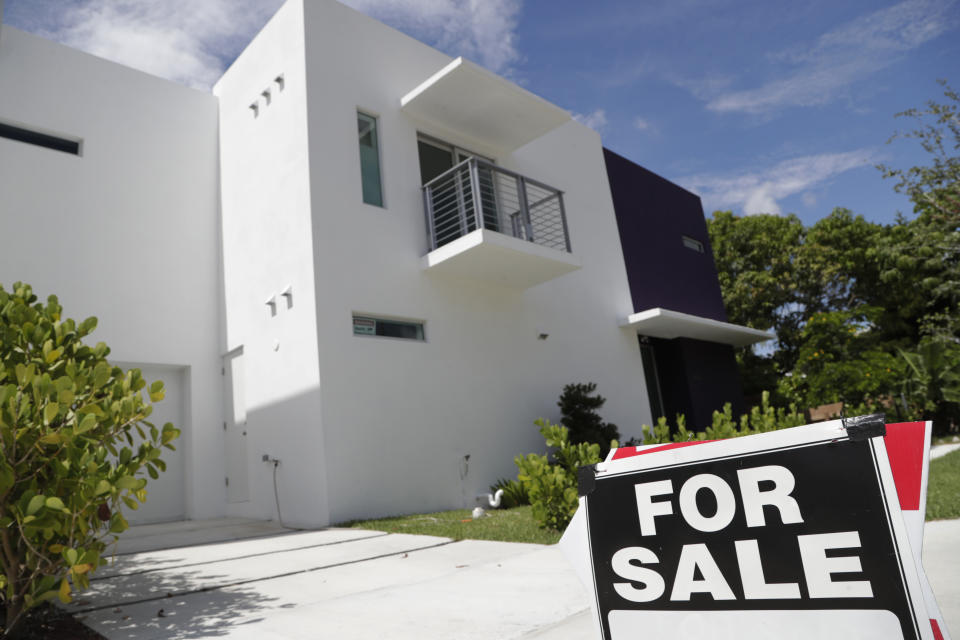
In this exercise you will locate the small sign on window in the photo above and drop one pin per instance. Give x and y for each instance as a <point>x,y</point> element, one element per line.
<point>364,327</point>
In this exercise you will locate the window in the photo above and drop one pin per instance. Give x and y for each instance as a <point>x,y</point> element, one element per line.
<point>652,378</point>
<point>369,159</point>
<point>693,244</point>
<point>39,139</point>
<point>368,326</point>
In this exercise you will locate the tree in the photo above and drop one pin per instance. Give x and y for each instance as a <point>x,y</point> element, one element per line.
<point>932,379</point>
<point>846,297</point>
<point>74,439</point>
<point>934,189</point>
<point>579,407</point>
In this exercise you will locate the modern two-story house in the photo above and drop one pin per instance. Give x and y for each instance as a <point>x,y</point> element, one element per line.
<point>363,268</point>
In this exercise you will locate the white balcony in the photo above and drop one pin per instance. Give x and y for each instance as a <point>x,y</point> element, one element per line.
<point>489,224</point>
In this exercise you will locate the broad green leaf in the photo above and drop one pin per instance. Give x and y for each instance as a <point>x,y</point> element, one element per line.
<point>70,555</point>
<point>36,502</point>
<point>50,412</point>
<point>51,438</point>
<point>55,503</point>
<point>101,373</point>
<point>118,523</point>
<point>88,422</point>
<point>128,482</point>
<point>102,487</point>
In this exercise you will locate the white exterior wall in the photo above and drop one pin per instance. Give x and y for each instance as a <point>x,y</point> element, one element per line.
<point>362,426</point>
<point>398,415</point>
<point>267,234</point>
<point>128,231</point>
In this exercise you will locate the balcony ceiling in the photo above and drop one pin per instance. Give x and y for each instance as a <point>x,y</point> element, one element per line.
<point>664,323</point>
<point>474,102</point>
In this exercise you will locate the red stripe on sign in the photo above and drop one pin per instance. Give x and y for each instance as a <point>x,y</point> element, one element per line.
<point>937,634</point>
<point>629,452</point>
<point>904,442</point>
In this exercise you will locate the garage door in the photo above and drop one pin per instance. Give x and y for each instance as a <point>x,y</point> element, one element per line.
<point>166,497</point>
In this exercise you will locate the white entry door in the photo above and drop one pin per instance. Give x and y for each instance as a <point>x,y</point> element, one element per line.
<point>166,496</point>
<point>235,427</point>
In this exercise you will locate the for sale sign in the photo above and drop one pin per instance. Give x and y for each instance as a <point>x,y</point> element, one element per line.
<point>791,534</point>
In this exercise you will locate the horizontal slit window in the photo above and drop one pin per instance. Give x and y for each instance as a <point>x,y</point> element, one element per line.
<point>370,326</point>
<point>38,139</point>
<point>691,243</point>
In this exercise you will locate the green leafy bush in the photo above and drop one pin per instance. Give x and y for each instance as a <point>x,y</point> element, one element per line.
<point>514,493</point>
<point>578,408</point>
<point>69,422</point>
<point>552,484</point>
<point>762,418</point>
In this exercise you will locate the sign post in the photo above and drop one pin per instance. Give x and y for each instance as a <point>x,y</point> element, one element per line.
<point>789,534</point>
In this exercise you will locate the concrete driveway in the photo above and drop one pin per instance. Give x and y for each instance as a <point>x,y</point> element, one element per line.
<point>244,579</point>
<point>248,579</point>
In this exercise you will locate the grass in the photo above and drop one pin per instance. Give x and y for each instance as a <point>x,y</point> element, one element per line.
<point>943,489</point>
<point>503,525</point>
<point>517,525</point>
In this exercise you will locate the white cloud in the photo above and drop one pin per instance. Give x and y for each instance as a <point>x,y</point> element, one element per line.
<point>596,120</point>
<point>642,124</point>
<point>192,41</point>
<point>759,191</point>
<point>186,41</point>
<point>481,30</point>
<point>809,198</point>
<point>824,70</point>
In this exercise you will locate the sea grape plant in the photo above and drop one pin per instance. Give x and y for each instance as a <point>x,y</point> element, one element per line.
<point>74,444</point>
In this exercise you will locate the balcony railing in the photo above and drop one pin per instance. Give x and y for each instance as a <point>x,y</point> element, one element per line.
<point>478,195</point>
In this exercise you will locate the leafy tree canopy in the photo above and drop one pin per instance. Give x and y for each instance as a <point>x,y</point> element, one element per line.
<point>864,313</point>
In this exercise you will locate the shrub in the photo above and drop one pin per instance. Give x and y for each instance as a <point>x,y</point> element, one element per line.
<point>552,484</point>
<point>761,418</point>
<point>578,407</point>
<point>514,493</point>
<point>68,461</point>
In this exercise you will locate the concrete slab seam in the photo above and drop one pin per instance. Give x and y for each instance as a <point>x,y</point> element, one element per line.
<point>243,557</point>
<point>178,594</point>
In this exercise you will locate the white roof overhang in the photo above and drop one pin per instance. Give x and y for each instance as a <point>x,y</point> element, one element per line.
<point>469,100</point>
<point>664,323</point>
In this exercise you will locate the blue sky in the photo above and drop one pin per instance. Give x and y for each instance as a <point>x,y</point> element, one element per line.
<point>781,107</point>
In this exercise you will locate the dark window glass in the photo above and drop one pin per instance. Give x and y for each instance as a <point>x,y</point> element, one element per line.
<point>39,139</point>
<point>364,326</point>
<point>369,159</point>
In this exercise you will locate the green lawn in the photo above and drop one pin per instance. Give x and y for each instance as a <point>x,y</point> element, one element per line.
<point>505,525</point>
<point>943,491</point>
<point>516,525</point>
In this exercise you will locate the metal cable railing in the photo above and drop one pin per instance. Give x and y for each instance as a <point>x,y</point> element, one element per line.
<point>478,195</point>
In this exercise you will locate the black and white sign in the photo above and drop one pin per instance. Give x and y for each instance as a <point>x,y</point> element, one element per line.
<point>792,534</point>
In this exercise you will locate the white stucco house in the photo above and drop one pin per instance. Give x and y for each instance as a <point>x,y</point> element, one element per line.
<point>356,256</point>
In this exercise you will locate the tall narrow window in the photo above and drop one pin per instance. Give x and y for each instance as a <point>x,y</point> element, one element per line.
<point>654,393</point>
<point>369,159</point>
